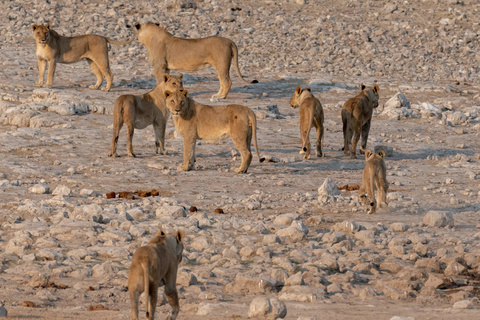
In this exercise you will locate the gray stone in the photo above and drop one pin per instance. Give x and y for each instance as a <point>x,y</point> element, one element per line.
<point>388,150</point>
<point>463,304</point>
<point>39,188</point>
<point>265,308</point>
<point>328,188</point>
<point>3,312</point>
<point>438,219</point>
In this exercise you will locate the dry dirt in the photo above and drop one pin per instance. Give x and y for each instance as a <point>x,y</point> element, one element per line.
<point>320,254</point>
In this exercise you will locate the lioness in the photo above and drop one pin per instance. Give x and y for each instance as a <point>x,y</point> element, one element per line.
<point>311,114</point>
<point>152,266</point>
<point>374,177</point>
<point>138,112</point>
<point>356,118</point>
<point>54,48</point>
<point>167,52</point>
<point>197,121</point>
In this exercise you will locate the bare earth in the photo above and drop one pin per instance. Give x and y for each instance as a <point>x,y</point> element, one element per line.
<point>320,254</point>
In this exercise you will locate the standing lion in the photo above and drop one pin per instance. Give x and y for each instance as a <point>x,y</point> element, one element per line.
<point>357,117</point>
<point>54,48</point>
<point>311,114</point>
<point>374,178</point>
<point>167,52</point>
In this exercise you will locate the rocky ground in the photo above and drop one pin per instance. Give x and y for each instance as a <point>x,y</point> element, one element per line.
<point>288,239</point>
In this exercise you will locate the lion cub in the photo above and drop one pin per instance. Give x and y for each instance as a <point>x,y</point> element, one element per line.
<point>197,121</point>
<point>152,266</point>
<point>374,177</point>
<point>54,48</point>
<point>138,112</point>
<point>311,114</point>
<point>357,117</point>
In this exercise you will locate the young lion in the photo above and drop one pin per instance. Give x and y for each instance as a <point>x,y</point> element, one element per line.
<point>197,121</point>
<point>311,114</point>
<point>138,112</point>
<point>152,266</point>
<point>167,52</point>
<point>356,118</point>
<point>374,177</point>
<point>54,48</point>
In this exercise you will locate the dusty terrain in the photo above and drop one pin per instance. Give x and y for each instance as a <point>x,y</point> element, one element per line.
<point>280,236</point>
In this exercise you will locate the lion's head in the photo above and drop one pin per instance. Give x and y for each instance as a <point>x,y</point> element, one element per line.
<point>41,33</point>
<point>372,93</point>
<point>295,100</point>
<point>172,83</point>
<point>177,102</point>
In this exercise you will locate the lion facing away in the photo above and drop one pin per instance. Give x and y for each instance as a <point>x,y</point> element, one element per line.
<point>197,121</point>
<point>374,178</point>
<point>54,48</point>
<point>152,266</point>
<point>138,112</point>
<point>311,114</point>
<point>357,117</point>
<point>167,52</point>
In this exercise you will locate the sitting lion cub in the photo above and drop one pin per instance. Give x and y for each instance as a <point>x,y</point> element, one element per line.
<point>197,121</point>
<point>374,177</point>
<point>356,117</point>
<point>152,266</point>
<point>311,114</point>
<point>138,112</point>
<point>54,48</point>
<point>167,52</point>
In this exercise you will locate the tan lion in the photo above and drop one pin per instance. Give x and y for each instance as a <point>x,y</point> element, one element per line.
<point>54,48</point>
<point>152,266</point>
<point>167,52</point>
<point>357,117</point>
<point>311,114</point>
<point>374,178</point>
<point>138,112</point>
<point>197,121</point>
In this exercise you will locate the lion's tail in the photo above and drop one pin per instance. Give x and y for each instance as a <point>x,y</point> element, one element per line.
<point>146,285</point>
<point>253,120</point>
<point>120,43</point>
<point>235,63</point>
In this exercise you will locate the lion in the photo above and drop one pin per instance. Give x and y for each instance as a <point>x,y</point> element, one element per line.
<point>311,114</point>
<point>54,48</point>
<point>374,177</point>
<point>138,112</point>
<point>357,117</point>
<point>197,121</point>
<point>167,52</point>
<point>155,265</point>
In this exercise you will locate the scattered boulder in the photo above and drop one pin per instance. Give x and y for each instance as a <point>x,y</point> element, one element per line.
<point>265,308</point>
<point>438,219</point>
<point>328,188</point>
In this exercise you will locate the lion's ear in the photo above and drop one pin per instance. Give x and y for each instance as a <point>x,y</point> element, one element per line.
<point>185,93</point>
<point>368,153</point>
<point>167,94</point>
<point>180,76</point>
<point>34,27</point>
<point>157,24</point>
<point>137,26</point>
<point>375,89</point>
<point>180,235</point>
<point>362,86</point>
<point>298,90</point>
<point>165,77</point>
<point>160,232</point>
<point>382,154</point>
<point>48,26</point>
<point>308,89</point>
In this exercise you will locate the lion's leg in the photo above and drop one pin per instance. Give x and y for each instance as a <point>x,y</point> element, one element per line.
<point>152,304</point>
<point>160,68</point>
<point>159,130</point>
<point>243,141</point>
<point>42,64</point>
<point>130,130</point>
<point>134,295</point>
<point>98,73</point>
<point>365,131</point>
<point>172,296</point>
<point>319,126</point>
<point>104,66</point>
<point>356,129</point>
<point>347,138</point>
<point>52,65</point>
<point>382,192</point>
<point>304,130</point>
<point>223,70</point>
<point>117,126</point>
<point>370,186</point>
<point>188,154</point>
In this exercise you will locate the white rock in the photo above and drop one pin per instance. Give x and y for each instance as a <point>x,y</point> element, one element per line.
<point>463,304</point>
<point>265,308</point>
<point>39,188</point>
<point>438,219</point>
<point>62,190</point>
<point>328,188</point>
